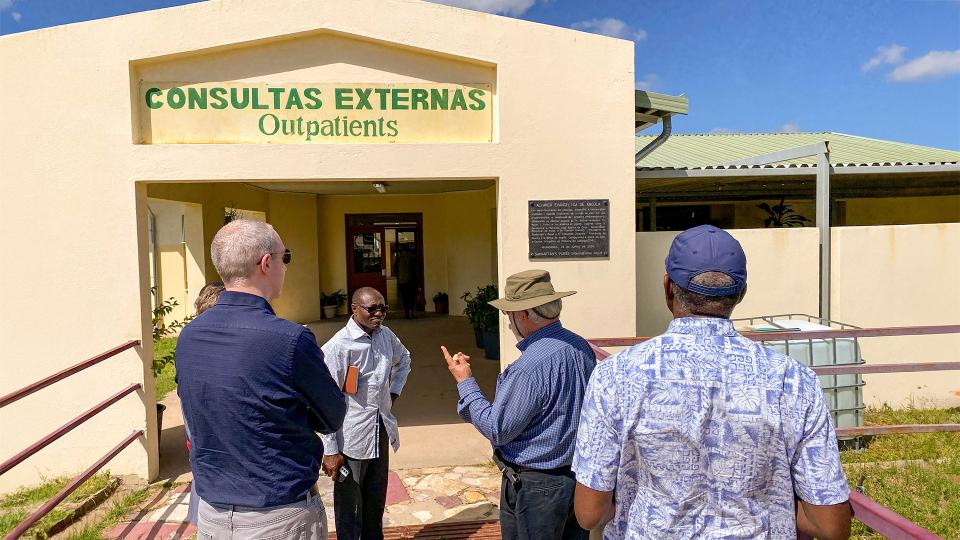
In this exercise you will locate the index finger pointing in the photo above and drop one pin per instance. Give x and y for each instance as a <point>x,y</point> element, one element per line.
<point>446,355</point>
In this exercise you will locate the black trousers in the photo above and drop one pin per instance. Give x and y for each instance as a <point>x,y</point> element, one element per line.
<point>359,501</point>
<point>539,508</point>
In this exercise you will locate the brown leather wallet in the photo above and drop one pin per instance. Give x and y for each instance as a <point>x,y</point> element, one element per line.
<point>352,381</point>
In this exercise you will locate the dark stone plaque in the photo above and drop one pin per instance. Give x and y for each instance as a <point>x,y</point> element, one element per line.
<point>569,229</point>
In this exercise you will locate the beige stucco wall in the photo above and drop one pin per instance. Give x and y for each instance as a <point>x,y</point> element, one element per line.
<point>180,246</point>
<point>457,239</point>
<point>903,210</point>
<point>882,276</point>
<point>781,275</point>
<point>903,275</point>
<point>562,129</point>
<point>293,215</point>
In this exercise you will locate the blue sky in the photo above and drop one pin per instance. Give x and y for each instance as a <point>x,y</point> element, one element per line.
<point>877,68</point>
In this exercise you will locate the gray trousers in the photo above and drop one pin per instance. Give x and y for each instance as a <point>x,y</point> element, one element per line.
<point>302,520</point>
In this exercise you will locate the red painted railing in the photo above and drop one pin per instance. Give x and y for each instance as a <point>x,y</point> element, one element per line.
<point>869,512</point>
<point>66,428</point>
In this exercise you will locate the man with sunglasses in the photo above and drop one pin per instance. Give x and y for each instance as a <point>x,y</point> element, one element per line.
<point>371,364</point>
<point>255,390</point>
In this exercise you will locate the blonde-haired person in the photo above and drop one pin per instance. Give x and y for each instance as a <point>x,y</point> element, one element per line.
<point>208,296</point>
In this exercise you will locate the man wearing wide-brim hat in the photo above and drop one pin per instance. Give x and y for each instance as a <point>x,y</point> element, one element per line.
<point>532,422</point>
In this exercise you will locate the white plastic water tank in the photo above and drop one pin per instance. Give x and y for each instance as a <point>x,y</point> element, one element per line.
<point>843,392</point>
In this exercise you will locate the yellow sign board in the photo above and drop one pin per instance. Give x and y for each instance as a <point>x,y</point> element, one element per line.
<point>304,113</point>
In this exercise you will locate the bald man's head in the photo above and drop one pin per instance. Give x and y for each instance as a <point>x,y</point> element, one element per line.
<point>369,308</point>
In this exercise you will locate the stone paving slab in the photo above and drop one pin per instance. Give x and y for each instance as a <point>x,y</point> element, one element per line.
<point>415,497</point>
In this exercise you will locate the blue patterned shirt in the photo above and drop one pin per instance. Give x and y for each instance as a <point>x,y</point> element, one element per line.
<point>533,418</point>
<point>703,433</point>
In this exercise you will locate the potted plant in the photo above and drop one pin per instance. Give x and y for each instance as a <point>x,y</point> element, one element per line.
<point>485,319</point>
<point>471,312</point>
<point>441,302</point>
<point>330,302</point>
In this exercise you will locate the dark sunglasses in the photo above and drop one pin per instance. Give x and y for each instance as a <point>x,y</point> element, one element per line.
<point>286,256</point>
<point>382,308</point>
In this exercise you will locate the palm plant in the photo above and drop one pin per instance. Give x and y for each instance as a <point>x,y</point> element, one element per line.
<point>782,215</point>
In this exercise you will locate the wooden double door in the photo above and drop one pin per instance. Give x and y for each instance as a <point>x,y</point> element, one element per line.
<point>374,242</point>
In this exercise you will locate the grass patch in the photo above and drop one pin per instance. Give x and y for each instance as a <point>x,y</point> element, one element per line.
<point>164,381</point>
<point>926,492</point>
<point>119,510</point>
<point>927,446</point>
<point>19,504</point>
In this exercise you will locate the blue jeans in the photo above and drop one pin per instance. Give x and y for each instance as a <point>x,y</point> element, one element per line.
<point>539,508</point>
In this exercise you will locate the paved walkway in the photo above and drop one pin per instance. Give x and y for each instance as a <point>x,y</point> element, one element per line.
<point>427,411</point>
<point>435,495</point>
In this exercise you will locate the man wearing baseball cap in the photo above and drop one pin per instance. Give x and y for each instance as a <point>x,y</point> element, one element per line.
<point>703,433</point>
<point>532,422</point>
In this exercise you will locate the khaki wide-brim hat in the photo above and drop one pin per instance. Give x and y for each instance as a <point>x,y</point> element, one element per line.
<point>527,290</point>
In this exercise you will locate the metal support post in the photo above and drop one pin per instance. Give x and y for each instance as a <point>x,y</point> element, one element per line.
<point>823,224</point>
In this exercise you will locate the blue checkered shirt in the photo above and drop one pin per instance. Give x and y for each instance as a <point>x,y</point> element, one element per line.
<point>703,433</point>
<point>533,418</point>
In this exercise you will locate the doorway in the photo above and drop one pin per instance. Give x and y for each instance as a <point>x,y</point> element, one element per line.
<point>385,251</point>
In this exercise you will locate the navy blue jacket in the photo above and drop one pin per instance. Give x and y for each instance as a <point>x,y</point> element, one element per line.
<point>254,390</point>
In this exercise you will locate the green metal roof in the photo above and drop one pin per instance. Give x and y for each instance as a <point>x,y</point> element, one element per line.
<point>661,102</point>
<point>714,150</point>
<point>651,108</point>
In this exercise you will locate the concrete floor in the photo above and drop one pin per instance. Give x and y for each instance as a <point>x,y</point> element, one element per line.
<point>431,433</point>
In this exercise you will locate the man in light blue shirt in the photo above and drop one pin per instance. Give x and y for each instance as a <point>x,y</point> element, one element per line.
<point>383,364</point>
<point>701,432</point>
<point>532,422</point>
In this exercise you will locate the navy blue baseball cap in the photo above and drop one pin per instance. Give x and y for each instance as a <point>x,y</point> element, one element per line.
<point>707,249</point>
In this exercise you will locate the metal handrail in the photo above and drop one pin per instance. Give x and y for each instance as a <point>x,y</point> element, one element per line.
<point>897,428</point>
<point>60,375</point>
<point>789,335</point>
<point>887,522</point>
<point>71,487</point>
<point>66,428</point>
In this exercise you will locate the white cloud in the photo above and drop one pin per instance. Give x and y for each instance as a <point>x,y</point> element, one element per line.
<point>608,26</point>
<point>16,16</point>
<point>891,54</point>
<point>722,131</point>
<point>790,127</point>
<point>650,81</point>
<point>6,4</point>
<point>933,65</point>
<point>514,8</point>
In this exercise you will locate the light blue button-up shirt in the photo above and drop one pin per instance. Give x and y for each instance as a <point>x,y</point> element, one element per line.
<point>533,418</point>
<point>384,365</point>
<point>703,433</point>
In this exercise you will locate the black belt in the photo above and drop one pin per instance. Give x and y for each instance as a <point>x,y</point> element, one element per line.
<point>558,470</point>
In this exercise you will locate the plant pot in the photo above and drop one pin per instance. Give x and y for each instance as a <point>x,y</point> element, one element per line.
<point>440,307</point>
<point>491,345</point>
<point>160,408</point>
<point>329,312</point>
<point>478,335</point>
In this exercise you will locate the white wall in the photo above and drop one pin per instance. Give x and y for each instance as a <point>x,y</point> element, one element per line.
<point>782,274</point>
<point>882,276</point>
<point>901,275</point>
